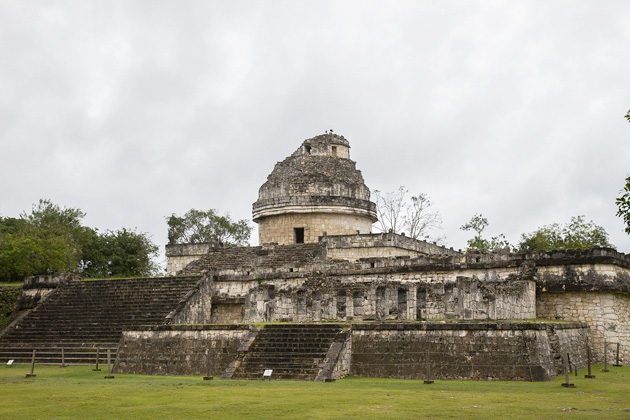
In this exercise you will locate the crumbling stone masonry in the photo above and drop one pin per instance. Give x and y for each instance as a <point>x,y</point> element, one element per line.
<point>457,350</point>
<point>315,191</point>
<point>390,299</point>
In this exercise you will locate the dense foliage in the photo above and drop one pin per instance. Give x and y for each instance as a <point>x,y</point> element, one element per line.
<point>197,226</point>
<point>623,205</point>
<point>578,233</point>
<point>52,240</point>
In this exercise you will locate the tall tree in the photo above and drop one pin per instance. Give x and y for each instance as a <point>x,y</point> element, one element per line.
<point>121,253</point>
<point>578,233</point>
<point>46,241</point>
<point>399,214</point>
<point>52,239</point>
<point>623,204</point>
<point>478,224</point>
<point>197,226</point>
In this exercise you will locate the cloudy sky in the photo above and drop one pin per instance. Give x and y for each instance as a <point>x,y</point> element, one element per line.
<point>134,110</point>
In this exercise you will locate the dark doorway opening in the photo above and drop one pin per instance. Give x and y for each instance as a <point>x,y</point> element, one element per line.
<point>299,235</point>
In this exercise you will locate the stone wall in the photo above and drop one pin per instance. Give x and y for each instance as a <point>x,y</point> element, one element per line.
<point>383,245</point>
<point>280,229</point>
<point>179,256</point>
<point>480,351</point>
<point>344,360</point>
<point>374,298</point>
<point>607,314</point>
<point>179,349</point>
<point>457,350</point>
<point>196,306</point>
<point>36,288</point>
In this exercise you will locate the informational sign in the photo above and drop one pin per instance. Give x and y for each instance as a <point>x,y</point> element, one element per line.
<point>267,374</point>
<point>10,362</point>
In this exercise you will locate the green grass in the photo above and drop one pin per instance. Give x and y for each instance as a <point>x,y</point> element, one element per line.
<point>77,392</point>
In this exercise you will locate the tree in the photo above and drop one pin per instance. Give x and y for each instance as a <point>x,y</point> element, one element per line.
<point>576,234</point>
<point>623,203</point>
<point>627,116</point>
<point>197,226</point>
<point>46,241</point>
<point>53,240</point>
<point>120,253</point>
<point>396,214</point>
<point>478,223</point>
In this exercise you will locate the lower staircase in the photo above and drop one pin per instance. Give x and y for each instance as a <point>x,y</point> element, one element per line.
<point>293,351</point>
<point>82,318</point>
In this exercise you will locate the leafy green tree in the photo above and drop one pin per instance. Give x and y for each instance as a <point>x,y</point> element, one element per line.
<point>26,250</point>
<point>197,226</point>
<point>623,203</point>
<point>47,241</point>
<point>578,233</point>
<point>628,115</point>
<point>53,240</point>
<point>478,224</point>
<point>120,253</point>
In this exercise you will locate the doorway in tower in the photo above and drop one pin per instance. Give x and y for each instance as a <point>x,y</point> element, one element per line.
<point>299,235</point>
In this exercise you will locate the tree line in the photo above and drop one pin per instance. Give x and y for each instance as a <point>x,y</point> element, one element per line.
<point>412,216</point>
<point>51,239</point>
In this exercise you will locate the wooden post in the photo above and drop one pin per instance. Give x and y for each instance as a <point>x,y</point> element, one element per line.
<point>208,377</point>
<point>588,360</point>
<point>428,362</point>
<point>63,358</point>
<point>96,368</point>
<point>605,357</point>
<point>30,375</point>
<point>617,364</point>
<point>565,363</point>
<point>109,368</point>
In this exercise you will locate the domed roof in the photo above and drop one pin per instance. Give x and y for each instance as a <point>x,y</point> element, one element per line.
<point>318,173</point>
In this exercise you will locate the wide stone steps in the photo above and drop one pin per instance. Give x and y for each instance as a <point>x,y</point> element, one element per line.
<point>96,311</point>
<point>292,351</point>
<point>277,374</point>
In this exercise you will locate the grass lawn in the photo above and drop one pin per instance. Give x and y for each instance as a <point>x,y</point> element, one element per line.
<point>77,392</point>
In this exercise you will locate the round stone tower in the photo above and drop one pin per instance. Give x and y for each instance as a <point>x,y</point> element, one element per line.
<point>316,191</point>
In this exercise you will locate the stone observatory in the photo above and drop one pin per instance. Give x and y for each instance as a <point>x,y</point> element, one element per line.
<point>323,297</point>
<point>317,191</point>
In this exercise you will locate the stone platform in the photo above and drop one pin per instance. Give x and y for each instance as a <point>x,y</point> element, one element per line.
<point>455,350</point>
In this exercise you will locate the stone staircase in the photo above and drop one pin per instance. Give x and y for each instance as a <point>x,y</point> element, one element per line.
<point>81,316</point>
<point>293,351</point>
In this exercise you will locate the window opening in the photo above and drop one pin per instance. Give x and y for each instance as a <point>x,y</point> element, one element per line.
<point>334,150</point>
<point>299,235</point>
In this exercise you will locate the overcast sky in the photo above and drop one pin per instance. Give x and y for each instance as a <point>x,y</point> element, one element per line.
<point>134,110</point>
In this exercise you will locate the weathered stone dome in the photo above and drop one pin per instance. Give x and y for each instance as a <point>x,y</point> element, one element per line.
<point>317,179</point>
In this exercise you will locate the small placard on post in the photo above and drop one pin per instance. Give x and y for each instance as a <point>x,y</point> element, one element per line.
<point>617,362</point>
<point>267,374</point>
<point>10,363</point>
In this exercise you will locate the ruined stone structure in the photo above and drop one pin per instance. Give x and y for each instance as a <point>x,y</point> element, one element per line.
<point>393,305</point>
<point>315,191</point>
